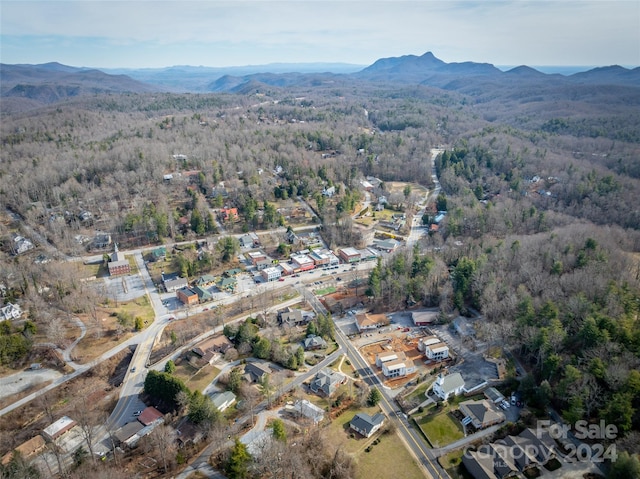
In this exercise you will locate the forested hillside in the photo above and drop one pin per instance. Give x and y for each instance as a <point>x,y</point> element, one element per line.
<point>541,235</point>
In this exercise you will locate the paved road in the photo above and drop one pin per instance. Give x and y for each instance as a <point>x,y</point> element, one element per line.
<point>408,434</point>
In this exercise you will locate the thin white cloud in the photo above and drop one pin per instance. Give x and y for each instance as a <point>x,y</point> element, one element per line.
<point>241,32</point>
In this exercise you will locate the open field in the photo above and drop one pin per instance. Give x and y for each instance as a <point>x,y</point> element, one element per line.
<point>193,378</point>
<point>441,429</point>
<point>104,331</point>
<point>384,459</point>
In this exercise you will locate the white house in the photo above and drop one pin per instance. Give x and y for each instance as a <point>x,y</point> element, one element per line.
<point>437,351</point>
<point>10,311</point>
<point>449,385</point>
<point>223,400</point>
<point>395,364</point>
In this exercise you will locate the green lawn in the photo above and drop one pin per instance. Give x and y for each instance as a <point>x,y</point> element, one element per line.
<point>193,378</point>
<point>325,291</point>
<point>389,458</point>
<point>419,392</point>
<point>441,429</point>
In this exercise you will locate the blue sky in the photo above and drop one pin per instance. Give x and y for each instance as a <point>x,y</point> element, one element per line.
<point>156,33</point>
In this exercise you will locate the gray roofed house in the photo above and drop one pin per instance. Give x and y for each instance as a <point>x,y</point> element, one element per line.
<point>488,463</point>
<point>203,294</point>
<point>312,342</point>
<point>482,413</point>
<point>326,382</point>
<point>309,410</point>
<point>254,371</point>
<point>494,395</point>
<point>223,400</point>
<point>365,424</point>
<point>173,282</point>
<point>128,433</point>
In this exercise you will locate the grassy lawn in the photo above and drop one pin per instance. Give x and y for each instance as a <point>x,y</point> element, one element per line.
<point>440,429</point>
<point>387,459</point>
<point>139,307</point>
<point>193,378</point>
<point>324,291</point>
<point>418,393</point>
<point>383,459</point>
<point>452,463</point>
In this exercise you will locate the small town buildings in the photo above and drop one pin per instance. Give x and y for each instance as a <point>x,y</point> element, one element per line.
<point>249,240</point>
<point>58,428</point>
<point>395,364</point>
<point>304,408</point>
<point>366,425</point>
<point>481,414</point>
<point>128,435</point>
<point>426,341</point>
<point>264,263</point>
<point>210,349</point>
<point>21,245</point>
<point>294,317</point>
<point>319,258</point>
<point>227,284</point>
<point>173,282</point>
<point>159,254</point>
<point>229,214</point>
<point>327,382</point>
<point>493,395</point>
<point>436,351</point>
<point>302,262</point>
<point>223,400</point>
<point>203,294</point>
<point>255,371</point>
<point>448,385</point>
<point>367,254</point>
<point>205,281</point>
<point>367,322</point>
<point>424,318</point>
<point>349,255</point>
<point>256,256</point>
<point>118,264</point>
<point>389,245</point>
<point>271,273</point>
<point>312,342</point>
<point>512,456</point>
<point>287,269</point>
<point>187,296</point>
<point>150,415</point>
<point>10,311</point>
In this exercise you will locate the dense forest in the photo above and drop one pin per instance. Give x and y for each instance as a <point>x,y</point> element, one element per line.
<point>541,235</point>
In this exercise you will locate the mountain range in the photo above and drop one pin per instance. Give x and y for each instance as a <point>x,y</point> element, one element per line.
<point>28,86</point>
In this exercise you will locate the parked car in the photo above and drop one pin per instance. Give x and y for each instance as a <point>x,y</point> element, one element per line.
<point>133,369</point>
<point>137,413</point>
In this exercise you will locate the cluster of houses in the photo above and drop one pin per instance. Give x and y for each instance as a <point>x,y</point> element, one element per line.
<point>513,456</point>
<point>198,291</point>
<point>129,434</point>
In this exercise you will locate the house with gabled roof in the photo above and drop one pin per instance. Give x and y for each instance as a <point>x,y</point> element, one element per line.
<point>223,400</point>
<point>481,414</point>
<point>205,280</point>
<point>448,385</point>
<point>366,425</point>
<point>313,342</point>
<point>173,282</point>
<point>227,284</point>
<point>327,382</point>
<point>10,311</point>
<point>255,371</point>
<point>203,294</point>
